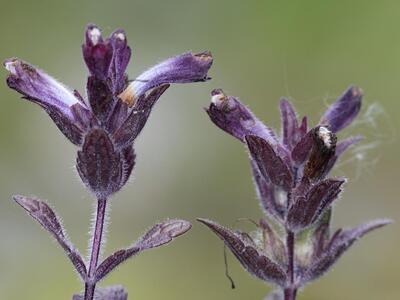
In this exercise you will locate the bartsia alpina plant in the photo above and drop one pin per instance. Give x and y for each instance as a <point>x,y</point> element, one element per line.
<point>293,245</point>
<point>104,127</point>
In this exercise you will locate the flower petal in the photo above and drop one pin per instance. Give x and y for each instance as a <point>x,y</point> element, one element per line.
<point>184,68</point>
<point>39,87</point>
<point>120,59</point>
<point>255,262</point>
<point>229,114</point>
<point>341,113</point>
<point>97,53</point>
<point>64,106</point>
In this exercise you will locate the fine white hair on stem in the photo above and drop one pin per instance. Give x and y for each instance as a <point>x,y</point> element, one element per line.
<point>92,229</point>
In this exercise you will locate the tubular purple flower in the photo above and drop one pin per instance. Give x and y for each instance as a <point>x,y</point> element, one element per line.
<point>39,87</point>
<point>97,53</point>
<point>104,126</point>
<point>188,67</point>
<point>341,113</point>
<point>65,107</point>
<point>229,114</point>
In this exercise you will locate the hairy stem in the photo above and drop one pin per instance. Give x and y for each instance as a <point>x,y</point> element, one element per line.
<point>90,284</point>
<point>290,291</point>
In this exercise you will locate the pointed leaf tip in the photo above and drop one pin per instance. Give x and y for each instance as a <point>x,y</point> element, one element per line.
<point>339,243</point>
<point>46,217</point>
<point>160,234</point>
<point>251,258</point>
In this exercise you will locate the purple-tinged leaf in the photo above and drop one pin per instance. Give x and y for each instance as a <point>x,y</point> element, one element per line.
<point>113,261</point>
<point>308,207</point>
<point>271,166</point>
<point>160,234</point>
<point>289,123</point>
<point>120,60</point>
<point>251,258</point>
<point>46,217</point>
<point>134,123</point>
<point>266,194</point>
<point>229,114</point>
<point>97,53</point>
<point>163,233</point>
<point>342,112</point>
<point>99,165</point>
<point>114,292</point>
<point>185,68</point>
<point>340,242</point>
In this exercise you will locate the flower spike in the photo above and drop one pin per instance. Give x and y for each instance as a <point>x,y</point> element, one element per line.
<point>290,174</point>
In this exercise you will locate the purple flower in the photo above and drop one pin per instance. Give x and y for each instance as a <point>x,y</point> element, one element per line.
<point>291,177</point>
<point>104,127</point>
<point>105,124</point>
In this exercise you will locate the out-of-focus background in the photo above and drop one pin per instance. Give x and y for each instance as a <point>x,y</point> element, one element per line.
<point>309,51</point>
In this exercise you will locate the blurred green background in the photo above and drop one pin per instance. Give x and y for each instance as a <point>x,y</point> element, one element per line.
<point>309,51</point>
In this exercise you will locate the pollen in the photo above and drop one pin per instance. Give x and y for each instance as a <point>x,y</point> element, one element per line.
<point>94,35</point>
